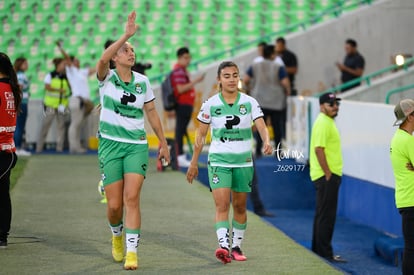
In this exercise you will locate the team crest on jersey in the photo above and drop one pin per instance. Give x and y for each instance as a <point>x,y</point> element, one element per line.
<point>138,88</point>
<point>215,179</point>
<point>242,109</point>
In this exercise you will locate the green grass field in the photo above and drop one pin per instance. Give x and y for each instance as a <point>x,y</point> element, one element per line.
<point>59,227</point>
<point>17,171</point>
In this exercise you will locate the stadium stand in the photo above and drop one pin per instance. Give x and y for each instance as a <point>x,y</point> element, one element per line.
<point>31,27</point>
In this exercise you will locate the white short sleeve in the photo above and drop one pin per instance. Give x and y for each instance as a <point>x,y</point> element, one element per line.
<point>48,79</point>
<point>204,114</point>
<point>256,109</point>
<point>279,61</point>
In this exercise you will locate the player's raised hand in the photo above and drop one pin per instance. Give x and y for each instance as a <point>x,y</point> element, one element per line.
<point>131,27</point>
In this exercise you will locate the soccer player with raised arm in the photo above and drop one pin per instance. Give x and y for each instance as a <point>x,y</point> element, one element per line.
<point>123,148</point>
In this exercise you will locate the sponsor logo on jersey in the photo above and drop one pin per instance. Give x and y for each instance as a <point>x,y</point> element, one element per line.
<point>228,139</point>
<point>231,121</point>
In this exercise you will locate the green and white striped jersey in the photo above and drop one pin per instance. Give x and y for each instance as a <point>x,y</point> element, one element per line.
<point>231,129</point>
<point>122,114</point>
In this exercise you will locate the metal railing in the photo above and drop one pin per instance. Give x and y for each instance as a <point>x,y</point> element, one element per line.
<point>368,78</point>
<point>335,10</point>
<point>396,91</point>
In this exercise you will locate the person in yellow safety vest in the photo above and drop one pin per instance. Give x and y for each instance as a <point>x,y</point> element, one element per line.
<point>55,105</point>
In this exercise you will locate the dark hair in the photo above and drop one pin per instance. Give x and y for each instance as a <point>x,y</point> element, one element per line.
<point>281,40</point>
<point>268,51</point>
<point>56,61</point>
<point>18,63</point>
<point>72,58</point>
<point>108,43</point>
<point>351,42</point>
<point>226,64</point>
<point>7,69</point>
<point>182,51</point>
<point>262,44</point>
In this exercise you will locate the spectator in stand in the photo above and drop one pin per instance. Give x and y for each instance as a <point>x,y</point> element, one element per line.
<point>271,86</point>
<point>20,66</point>
<point>184,93</point>
<point>79,103</point>
<point>290,61</point>
<point>353,66</point>
<point>55,105</point>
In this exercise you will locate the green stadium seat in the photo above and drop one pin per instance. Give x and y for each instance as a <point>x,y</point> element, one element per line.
<point>206,26</point>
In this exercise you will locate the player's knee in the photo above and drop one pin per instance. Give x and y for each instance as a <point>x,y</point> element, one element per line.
<point>239,208</point>
<point>222,207</point>
<point>115,209</point>
<point>130,201</point>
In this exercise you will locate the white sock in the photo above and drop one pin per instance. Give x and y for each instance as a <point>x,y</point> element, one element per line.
<point>117,229</point>
<point>238,235</point>
<point>223,237</point>
<point>132,241</point>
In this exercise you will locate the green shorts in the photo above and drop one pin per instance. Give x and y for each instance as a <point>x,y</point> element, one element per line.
<point>118,158</point>
<point>238,179</point>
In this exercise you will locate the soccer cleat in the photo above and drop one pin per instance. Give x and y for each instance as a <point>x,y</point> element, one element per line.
<point>117,248</point>
<point>131,261</point>
<point>237,254</point>
<point>222,254</point>
<point>3,244</point>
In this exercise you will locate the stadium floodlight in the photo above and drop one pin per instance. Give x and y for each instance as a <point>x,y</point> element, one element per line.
<point>400,59</point>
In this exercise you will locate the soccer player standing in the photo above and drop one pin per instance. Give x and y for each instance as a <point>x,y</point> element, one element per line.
<point>123,148</point>
<point>402,159</point>
<point>230,114</point>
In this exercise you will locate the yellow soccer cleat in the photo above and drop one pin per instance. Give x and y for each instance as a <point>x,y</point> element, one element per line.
<point>131,261</point>
<point>117,248</point>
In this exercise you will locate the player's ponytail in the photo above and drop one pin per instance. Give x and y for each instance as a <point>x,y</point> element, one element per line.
<point>6,68</point>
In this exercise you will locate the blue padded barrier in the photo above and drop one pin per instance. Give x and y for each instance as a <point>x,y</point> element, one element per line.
<point>390,249</point>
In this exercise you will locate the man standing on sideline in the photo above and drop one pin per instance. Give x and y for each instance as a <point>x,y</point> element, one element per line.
<point>290,61</point>
<point>402,159</point>
<point>325,172</point>
<point>353,66</point>
<point>184,93</point>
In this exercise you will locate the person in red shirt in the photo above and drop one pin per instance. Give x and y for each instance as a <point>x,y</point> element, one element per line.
<point>184,93</point>
<point>10,99</point>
